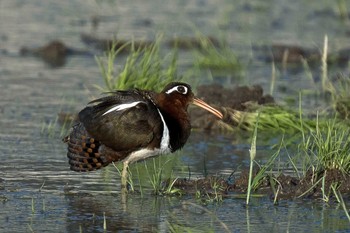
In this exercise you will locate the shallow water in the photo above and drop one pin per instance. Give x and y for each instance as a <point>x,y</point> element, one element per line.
<point>38,192</point>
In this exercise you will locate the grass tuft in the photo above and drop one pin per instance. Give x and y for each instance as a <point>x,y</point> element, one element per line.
<point>216,57</point>
<point>329,146</point>
<point>271,118</point>
<point>144,68</point>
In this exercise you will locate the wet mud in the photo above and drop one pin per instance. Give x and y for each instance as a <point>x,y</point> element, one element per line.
<point>277,187</point>
<point>231,102</point>
<point>296,56</point>
<point>54,53</point>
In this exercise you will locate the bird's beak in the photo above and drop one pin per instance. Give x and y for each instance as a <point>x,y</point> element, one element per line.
<point>207,107</point>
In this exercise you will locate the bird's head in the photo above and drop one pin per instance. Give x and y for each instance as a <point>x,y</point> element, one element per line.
<point>178,95</point>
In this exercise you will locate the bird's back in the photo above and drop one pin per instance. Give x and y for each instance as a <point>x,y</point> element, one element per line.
<point>113,127</point>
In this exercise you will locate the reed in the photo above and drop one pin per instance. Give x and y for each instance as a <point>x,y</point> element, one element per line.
<point>252,153</point>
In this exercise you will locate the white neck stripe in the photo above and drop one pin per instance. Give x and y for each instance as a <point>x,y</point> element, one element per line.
<point>145,153</point>
<point>165,143</point>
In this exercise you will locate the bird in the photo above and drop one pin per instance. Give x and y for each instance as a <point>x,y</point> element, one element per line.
<point>132,125</point>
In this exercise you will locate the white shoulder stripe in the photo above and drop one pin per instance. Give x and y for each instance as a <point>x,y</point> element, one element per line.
<point>122,107</point>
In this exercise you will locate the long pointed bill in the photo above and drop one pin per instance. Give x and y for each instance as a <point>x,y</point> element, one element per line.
<point>207,107</point>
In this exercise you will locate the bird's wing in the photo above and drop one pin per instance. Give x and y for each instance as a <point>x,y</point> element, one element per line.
<point>123,122</point>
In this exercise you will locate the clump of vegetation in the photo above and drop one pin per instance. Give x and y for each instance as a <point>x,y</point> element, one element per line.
<point>153,176</point>
<point>217,57</point>
<point>329,147</point>
<point>59,126</point>
<point>271,118</point>
<point>144,68</point>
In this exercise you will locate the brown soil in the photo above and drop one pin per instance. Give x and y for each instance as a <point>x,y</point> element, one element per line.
<point>284,186</point>
<point>54,53</point>
<point>230,102</point>
<point>295,54</point>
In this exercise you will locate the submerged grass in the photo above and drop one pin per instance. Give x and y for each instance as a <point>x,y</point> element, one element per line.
<point>154,175</point>
<point>340,199</point>
<point>176,226</point>
<point>54,128</point>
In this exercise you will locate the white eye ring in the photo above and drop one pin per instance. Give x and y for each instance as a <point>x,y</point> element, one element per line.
<point>181,89</point>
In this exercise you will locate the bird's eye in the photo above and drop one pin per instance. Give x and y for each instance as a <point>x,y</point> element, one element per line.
<point>182,89</point>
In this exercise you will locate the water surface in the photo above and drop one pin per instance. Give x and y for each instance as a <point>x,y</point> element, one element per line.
<point>38,192</point>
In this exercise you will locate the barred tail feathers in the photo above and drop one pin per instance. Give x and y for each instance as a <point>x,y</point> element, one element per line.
<point>83,151</point>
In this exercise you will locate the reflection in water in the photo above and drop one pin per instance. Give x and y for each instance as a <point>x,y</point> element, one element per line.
<point>87,212</point>
<point>84,212</point>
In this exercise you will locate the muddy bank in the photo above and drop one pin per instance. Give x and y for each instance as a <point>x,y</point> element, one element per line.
<point>54,53</point>
<point>230,102</point>
<point>124,45</point>
<point>296,55</point>
<point>274,186</point>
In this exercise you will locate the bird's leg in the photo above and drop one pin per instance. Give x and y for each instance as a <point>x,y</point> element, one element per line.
<point>125,174</point>
<point>124,179</point>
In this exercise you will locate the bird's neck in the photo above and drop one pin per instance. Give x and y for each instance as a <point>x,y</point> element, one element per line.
<point>177,120</point>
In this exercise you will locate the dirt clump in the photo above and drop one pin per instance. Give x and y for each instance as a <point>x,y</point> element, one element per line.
<point>207,185</point>
<point>229,101</point>
<point>280,186</point>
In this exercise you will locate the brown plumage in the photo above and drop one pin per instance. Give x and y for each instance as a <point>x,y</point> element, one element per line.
<point>132,125</point>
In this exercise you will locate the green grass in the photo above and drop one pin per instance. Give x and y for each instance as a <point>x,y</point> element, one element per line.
<point>328,147</point>
<point>145,68</point>
<point>271,119</point>
<point>323,145</point>
<point>153,176</point>
<point>59,126</point>
<point>54,128</point>
<point>217,58</point>
<point>252,153</point>
<point>212,194</point>
<point>343,11</point>
<point>340,199</point>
